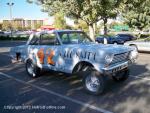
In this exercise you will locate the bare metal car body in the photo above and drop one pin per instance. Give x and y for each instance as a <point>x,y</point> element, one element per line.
<point>70,50</point>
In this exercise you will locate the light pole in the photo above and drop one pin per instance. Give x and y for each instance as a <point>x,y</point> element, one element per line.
<point>10,4</point>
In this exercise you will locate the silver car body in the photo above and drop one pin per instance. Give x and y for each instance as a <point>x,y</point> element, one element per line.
<point>106,59</point>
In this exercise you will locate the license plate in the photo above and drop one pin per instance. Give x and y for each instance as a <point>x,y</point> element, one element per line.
<point>120,68</point>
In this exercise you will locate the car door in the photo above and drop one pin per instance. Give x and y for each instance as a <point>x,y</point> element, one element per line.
<point>50,48</point>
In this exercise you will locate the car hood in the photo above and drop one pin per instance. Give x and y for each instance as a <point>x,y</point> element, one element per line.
<point>107,48</point>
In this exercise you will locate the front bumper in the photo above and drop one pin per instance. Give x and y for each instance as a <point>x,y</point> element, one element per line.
<point>116,67</point>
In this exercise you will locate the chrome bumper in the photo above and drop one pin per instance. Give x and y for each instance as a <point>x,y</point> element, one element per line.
<point>116,68</point>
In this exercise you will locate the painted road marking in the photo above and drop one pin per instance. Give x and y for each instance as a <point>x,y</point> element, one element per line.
<point>59,95</point>
<point>140,77</point>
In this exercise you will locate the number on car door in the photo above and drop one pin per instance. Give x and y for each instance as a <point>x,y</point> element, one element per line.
<point>49,51</point>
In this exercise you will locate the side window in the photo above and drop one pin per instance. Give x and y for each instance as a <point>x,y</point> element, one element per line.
<point>65,38</point>
<point>74,37</point>
<point>35,40</point>
<point>49,39</point>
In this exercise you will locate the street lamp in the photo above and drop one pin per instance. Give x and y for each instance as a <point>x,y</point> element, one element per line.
<point>10,4</point>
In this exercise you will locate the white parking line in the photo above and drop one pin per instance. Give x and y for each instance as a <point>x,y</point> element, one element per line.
<point>5,54</point>
<point>140,77</point>
<point>59,95</point>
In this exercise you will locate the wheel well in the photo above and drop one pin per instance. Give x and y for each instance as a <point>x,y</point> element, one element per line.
<point>134,45</point>
<point>79,66</point>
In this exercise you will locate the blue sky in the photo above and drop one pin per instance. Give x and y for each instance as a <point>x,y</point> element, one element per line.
<point>21,9</point>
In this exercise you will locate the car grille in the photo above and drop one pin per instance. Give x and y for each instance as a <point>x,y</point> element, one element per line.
<point>120,57</point>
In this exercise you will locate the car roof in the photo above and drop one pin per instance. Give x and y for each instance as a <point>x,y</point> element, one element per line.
<point>55,31</point>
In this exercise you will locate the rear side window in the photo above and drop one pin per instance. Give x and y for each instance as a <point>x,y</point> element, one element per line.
<point>49,39</point>
<point>65,38</point>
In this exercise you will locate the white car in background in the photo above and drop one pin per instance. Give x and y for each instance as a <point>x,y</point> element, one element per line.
<point>4,34</point>
<point>140,45</point>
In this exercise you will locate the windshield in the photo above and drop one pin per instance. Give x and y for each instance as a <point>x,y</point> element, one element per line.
<point>74,37</point>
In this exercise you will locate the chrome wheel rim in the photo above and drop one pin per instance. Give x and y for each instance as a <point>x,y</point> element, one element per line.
<point>30,69</point>
<point>92,83</point>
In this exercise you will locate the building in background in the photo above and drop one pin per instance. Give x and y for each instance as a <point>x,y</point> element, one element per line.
<point>20,23</point>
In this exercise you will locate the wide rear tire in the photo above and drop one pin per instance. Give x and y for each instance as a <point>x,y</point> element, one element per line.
<point>32,70</point>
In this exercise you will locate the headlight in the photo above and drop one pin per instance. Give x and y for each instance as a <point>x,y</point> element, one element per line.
<point>109,58</point>
<point>133,54</point>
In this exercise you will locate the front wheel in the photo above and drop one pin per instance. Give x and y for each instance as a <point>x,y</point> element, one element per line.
<point>32,70</point>
<point>121,76</point>
<point>93,82</point>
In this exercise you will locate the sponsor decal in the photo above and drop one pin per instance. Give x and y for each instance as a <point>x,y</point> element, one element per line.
<point>80,54</point>
<point>65,55</point>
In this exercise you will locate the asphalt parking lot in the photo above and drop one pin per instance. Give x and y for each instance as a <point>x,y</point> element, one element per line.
<point>58,93</point>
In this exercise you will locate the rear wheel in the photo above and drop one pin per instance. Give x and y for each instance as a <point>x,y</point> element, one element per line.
<point>121,76</point>
<point>32,70</point>
<point>93,82</point>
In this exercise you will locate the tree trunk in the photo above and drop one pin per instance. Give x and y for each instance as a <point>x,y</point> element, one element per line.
<point>105,26</point>
<point>92,32</point>
<point>94,26</point>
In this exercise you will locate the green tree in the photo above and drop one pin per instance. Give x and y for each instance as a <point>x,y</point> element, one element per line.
<point>59,21</point>
<point>28,27</point>
<point>6,25</point>
<point>37,25</point>
<point>137,13</point>
<point>16,26</point>
<point>109,9</point>
<point>1,26</point>
<point>90,11</point>
<point>80,24</point>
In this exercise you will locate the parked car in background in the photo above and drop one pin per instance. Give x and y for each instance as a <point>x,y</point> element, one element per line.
<point>4,34</point>
<point>140,45</point>
<point>73,52</point>
<point>110,39</point>
<point>20,34</point>
<point>126,37</point>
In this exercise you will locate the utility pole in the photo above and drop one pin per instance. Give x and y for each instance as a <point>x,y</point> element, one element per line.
<point>10,4</point>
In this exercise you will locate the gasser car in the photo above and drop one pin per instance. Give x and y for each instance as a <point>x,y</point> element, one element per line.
<point>73,52</point>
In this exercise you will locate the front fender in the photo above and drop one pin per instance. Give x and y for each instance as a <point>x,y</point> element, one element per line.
<point>97,66</point>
